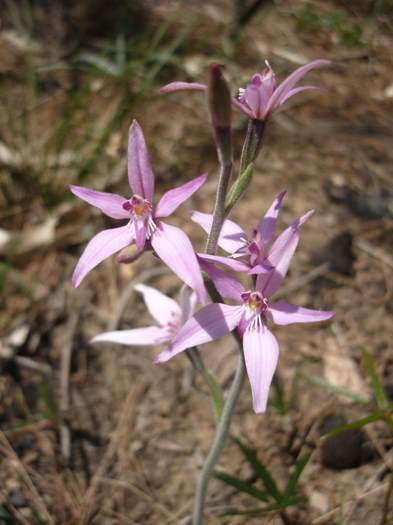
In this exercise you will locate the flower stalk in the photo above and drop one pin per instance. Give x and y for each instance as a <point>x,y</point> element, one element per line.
<point>219,441</point>
<point>219,103</point>
<point>253,143</point>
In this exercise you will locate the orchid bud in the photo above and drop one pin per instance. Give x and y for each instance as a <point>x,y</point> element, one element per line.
<point>219,98</point>
<point>219,103</point>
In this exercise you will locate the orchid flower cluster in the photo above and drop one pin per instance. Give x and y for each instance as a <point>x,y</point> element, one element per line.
<point>260,257</point>
<point>257,257</point>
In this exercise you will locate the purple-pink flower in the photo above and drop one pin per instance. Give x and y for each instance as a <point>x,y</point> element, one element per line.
<point>169,315</point>
<point>253,312</point>
<point>144,224</point>
<point>258,254</point>
<point>262,96</point>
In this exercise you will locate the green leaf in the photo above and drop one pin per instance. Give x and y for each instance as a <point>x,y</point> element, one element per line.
<point>293,480</point>
<point>216,393</point>
<point>355,424</point>
<point>260,470</point>
<point>380,396</point>
<point>320,381</point>
<point>48,397</point>
<point>239,187</point>
<point>6,518</point>
<point>242,486</point>
<point>278,401</point>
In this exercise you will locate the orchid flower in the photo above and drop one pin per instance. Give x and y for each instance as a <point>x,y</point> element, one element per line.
<point>144,224</point>
<point>258,254</point>
<point>169,315</point>
<point>262,96</point>
<point>250,317</point>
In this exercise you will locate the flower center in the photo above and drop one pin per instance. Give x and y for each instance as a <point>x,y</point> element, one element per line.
<point>138,206</point>
<point>254,302</point>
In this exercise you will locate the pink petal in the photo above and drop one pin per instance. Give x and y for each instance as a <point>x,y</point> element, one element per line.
<point>173,198</point>
<point>280,257</point>
<point>267,226</point>
<point>290,83</point>
<point>226,285</point>
<point>108,203</point>
<point>100,247</point>
<point>174,248</point>
<point>183,86</point>
<point>164,309</point>
<point>140,235</point>
<point>151,335</point>
<point>252,97</point>
<point>212,322</point>
<point>188,302</point>
<point>284,313</point>
<point>258,269</point>
<point>261,356</point>
<point>232,237</point>
<point>232,264</point>
<point>140,173</point>
<point>243,107</point>
<point>295,91</point>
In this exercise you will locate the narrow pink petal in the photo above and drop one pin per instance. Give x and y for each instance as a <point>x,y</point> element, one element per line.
<point>226,285</point>
<point>188,302</point>
<point>108,203</point>
<point>164,309</point>
<point>151,335</point>
<point>280,257</point>
<point>262,268</point>
<point>183,86</point>
<point>232,264</point>
<point>243,108</point>
<point>140,173</point>
<point>285,313</point>
<point>100,247</point>
<point>174,248</point>
<point>173,198</point>
<point>212,322</point>
<point>140,235</point>
<point>267,226</point>
<point>252,97</point>
<point>261,356</point>
<point>232,237</point>
<point>295,91</point>
<point>290,83</point>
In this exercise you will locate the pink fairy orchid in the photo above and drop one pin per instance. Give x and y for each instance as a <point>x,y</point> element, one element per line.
<point>169,315</point>
<point>144,224</point>
<point>250,318</point>
<point>258,255</point>
<point>262,96</point>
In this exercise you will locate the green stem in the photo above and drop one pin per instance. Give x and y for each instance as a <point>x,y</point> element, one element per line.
<point>219,208</point>
<point>218,443</point>
<point>253,143</point>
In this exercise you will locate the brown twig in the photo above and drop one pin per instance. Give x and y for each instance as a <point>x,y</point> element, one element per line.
<point>65,398</point>
<point>386,503</point>
<point>375,252</point>
<point>20,468</point>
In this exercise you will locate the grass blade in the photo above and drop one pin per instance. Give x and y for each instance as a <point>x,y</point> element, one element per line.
<point>293,480</point>
<point>260,470</point>
<point>355,424</point>
<point>380,396</point>
<point>242,486</point>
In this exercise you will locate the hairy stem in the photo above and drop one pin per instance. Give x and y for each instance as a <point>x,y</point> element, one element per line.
<point>218,443</point>
<point>219,207</point>
<point>253,143</point>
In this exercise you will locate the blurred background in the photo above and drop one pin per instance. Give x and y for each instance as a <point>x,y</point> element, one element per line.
<point>100,434</point>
